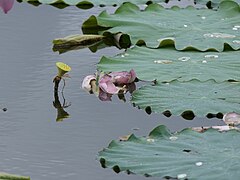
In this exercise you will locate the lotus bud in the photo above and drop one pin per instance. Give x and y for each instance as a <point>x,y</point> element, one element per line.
<point>62,68</point>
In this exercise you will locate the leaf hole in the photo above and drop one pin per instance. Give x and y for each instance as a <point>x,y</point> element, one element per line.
<point>149,2</point>
<point>103,162</point>
<point>147,175</point>
<point>188,115</point>
<point>116,169</point>
<point>218,115</point>
<point>167,113</point>
<point>148,110</point>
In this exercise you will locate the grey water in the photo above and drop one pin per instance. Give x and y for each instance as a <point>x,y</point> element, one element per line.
<point>32,142</point>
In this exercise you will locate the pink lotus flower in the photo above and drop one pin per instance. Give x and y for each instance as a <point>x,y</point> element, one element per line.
<point>6,5</point>
<point>109,82</point>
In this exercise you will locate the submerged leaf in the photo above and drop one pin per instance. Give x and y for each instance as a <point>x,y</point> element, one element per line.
<point>201,98</point>
<point>186,154</point>
<point>204,30</point>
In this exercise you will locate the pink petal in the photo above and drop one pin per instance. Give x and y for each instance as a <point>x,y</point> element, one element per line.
<point>103,96</point>
<point>6,5</point>
<point>123,77</point>
<point>107,85</point>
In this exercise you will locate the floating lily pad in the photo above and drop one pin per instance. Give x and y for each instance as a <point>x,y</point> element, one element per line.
<point>184,155</point>
<point>201,98</point>
<point>212,3</point>
<point>189,28</point>
<point>167,64</point>
<point>85,3</point>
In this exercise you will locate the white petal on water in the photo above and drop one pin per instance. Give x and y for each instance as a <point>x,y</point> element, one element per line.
<point>181,176</point>
<point>184,58</point>
<point>203,17</point>
<point>237,26</point>
<point>185,25</point>
<point>122,55</point>
<point>204,61</point>
<point>213,56</point>
<point>231,118</point>
<point>234,28</point>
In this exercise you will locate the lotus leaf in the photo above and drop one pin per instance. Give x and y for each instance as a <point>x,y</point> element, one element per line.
<point>202,98</point>
<point>212,3</point>
<point>90,2</point>
<point>183,155</point>
<point>167,64</point>
<point>201,29</point>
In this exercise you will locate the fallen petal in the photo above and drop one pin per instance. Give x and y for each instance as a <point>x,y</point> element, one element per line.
<point>123,77</point>
<point>6,5</point>
<point>106,84</point>
<point>103,96</point>
<point>86,83</point>
<point>231,118</point>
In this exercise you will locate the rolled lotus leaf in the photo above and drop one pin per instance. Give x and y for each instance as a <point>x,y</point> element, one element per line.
<point>78,40</point>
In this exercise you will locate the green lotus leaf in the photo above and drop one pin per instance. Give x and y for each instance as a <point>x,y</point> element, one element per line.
<point>183,155</point>
<point>167,64</point>
<point>213,3</point>
<point>201,29</point>
<point>90,3</point>
<point>202,98</point>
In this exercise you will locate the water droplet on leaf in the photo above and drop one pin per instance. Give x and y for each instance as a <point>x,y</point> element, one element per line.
<point>199,163</point>
<point>219,35</point>
<point>184,58</point>
<point>150,140</point>
<point>173,138</point>
<point>211,56</point>
<point>236,41</point>
<point>162,61</point>
<point>181,176</point>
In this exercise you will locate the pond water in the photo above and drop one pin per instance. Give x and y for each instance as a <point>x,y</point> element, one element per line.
<point>32,142</point>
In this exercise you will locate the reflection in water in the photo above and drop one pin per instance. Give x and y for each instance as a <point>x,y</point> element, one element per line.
<point>61,113</point>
